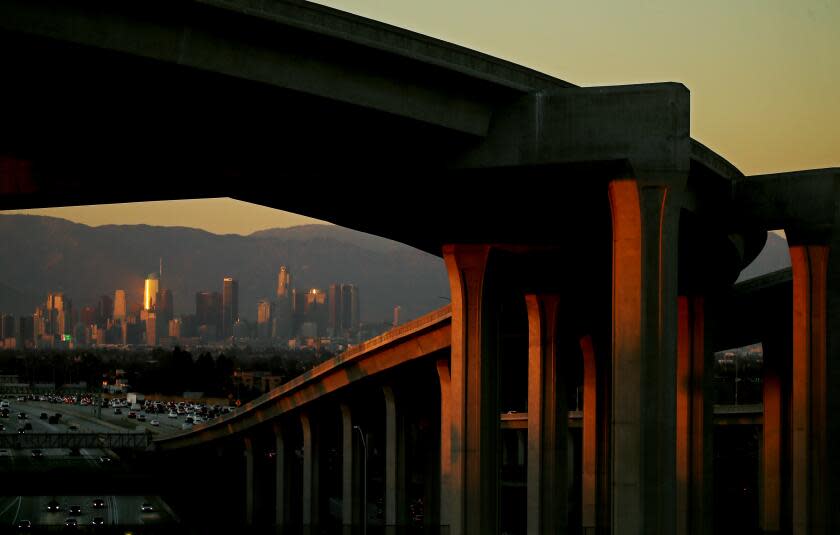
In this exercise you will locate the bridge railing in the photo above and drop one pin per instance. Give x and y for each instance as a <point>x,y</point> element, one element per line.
<point>396,333</point>
<point>356,352</point>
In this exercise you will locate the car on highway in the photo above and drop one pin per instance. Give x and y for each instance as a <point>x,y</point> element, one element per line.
<point>53,419</point>
<point>172,415</point>
<point>71,522</point>
<point>27,426</point>
<point>154,423</point>
<point>146,507</point>
<point>53,506</point>
<point>22,416</point>
<point>37,454</point>
<point>21,398</point>
<point>2,427</point>
<point>4,413</point>
<point>98,503</point>
<point>132,414</point>
<point>21,430</point>
<point>186,425</point>
<point>141,417</point>
<point>75,510</point>
<point>117,410</point>
<point>104,460</point>
<point>44,416</point>
<point>24,524</point>
<point>4,404</point>
<point>97,521</point>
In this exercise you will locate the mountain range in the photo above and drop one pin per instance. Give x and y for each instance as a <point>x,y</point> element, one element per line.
<point>46,254</point>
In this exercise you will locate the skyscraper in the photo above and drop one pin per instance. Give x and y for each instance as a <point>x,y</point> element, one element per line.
<point>349,307</point>
<point>264,318</point>
<point>230,305</point>
<point>150,291</point>
<point>58,314</point>
<point>165,306</point>
<point>208,312</point>
<point>104,310</point>
<point>119,305</point>
<point>284,282</point>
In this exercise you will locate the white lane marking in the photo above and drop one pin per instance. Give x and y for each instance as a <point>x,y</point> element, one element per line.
<point>11,503</point>
<point>20,501</point>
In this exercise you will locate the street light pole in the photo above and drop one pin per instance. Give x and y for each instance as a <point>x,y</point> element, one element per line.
<point>364,481</point>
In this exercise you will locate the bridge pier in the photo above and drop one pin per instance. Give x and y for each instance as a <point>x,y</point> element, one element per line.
<point>395,495</point>
<point>814,394</point>
<point>645,223</point>
<point>694,420</point>
<point>311,468</point>
<point>589,459</point>
<point>281,477</point>
<point>350,472</point>
<point>474,415</point>
<point>249,480</point>
<point>547,479</point>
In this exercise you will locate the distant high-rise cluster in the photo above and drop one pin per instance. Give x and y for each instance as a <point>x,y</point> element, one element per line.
<point>292,318</point>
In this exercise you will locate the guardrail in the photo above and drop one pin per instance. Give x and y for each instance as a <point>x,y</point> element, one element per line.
<point>136,441</point>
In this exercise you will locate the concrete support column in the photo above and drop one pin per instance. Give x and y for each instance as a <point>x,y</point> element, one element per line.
<point>349,498</point>
<point>446,487</point>
<point>694,421</point>
<point>281,478</point>
<point>474,418</point>
<point>589,457</point>
<point>310,474</point>
<point>808,411</point>
<point>770,506</point>
<point>394,463</point>
<point>547,421</point>
<point>645,224</point>
<point>249,481</point>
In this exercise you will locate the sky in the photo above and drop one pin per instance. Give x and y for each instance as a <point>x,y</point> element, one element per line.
<point>764,76</point>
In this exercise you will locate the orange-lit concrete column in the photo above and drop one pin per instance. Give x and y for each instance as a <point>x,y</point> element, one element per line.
<point>349,498</point>
<point>771,447</point>
<point>310,474</point>
<point>645,223</point>
<point>445,447</point>
<point>249,481</point>
<point>474,418</point>
<point>808,411</point>
<point>547,421</point>
<point>589,479</point>
<point>281,480</point>
<point>694,411</point>
<point>394,464</point>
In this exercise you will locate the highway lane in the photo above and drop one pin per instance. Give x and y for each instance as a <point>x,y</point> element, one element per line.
<point>85,416</point>
<point>118,510</point>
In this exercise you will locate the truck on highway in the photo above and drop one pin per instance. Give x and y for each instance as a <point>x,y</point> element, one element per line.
<point>133,398</point>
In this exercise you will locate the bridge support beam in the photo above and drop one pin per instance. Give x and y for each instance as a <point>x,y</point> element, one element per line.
<point>446,487</point>
<point>694,421</point>
<point>645,224</point>
<point>249,481</point>
<point>770,506</point>
<point>474,417</point>
<point>349,472</point>
<point>590,446</point>
<point>311,477</point>
<point>281,478</point>
<point>547,421</point>
<point>394,463</point>
<point>810,396</point>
